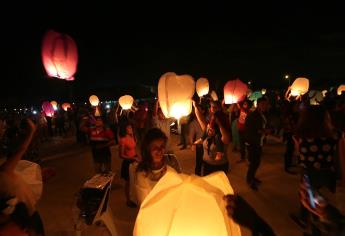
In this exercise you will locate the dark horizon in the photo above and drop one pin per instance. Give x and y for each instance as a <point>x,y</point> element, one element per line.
<point>122,47</point>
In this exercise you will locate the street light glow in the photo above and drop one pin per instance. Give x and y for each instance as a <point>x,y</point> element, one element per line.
<point>286,76</point>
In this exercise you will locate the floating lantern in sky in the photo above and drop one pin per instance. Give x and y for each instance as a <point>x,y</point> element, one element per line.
<point>48,109</point>
<point>175,94</point>
<point>341,89</point>
<point>126,102</point>
<point>93,99</point>
<point>54,104</point>
<point>214,95</point>
<point>234,91</point>
<point>65,106</point>
<point>300,86</point>
<point>187,205</point>
<point>263,91</point>
<point>59,55</point>
<point>202,87</point>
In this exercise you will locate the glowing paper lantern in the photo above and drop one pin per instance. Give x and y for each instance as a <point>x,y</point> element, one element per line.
<point>65,106</point>
<point>315,97</point>
<point>187,205</point>
<point>263,91</point>
<point>59,55</point>
<point>202,87</point>
<point>126,102</point>
<point>54,104</point>
<point>234,91</point>
<point>341,89</point>
<point>175,94</point>
<point>48,109</point>
<point>94,100</point>
<point>300,86</point>
<point>214,95</point>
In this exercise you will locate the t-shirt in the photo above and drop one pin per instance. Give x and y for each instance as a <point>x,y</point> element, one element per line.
<point>317,153</point>
<point>129,145</point>
<point>211,146</point>
<point>242,119</point>
<point>100,136</point>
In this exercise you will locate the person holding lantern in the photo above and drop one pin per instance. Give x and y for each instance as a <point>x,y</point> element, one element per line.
<point>155,163</point>
<point>244,111</point>
<point>215,139</point>
<point>128,154</point>
<point>255,131</point>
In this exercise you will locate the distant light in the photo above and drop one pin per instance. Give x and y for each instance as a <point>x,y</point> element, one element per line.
<point>101,102</point>
<point>34,112</point>
<point>15,109</point>
<point>20,109</point>
<point>107,106</point>
<point>85,103</point>
<point>286,76</point>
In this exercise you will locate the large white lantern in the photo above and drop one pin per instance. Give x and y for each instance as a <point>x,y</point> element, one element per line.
<point>182,204</point>
<point>300,86</point>
<point>202,87</point>
<point>341,89</point>
<point>234,91</point>
<point>126,102</point>
<point>93,99</point>
<point>175,94</point>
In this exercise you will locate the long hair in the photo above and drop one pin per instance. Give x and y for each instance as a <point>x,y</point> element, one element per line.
<point>123,128</point>
<point>314,122</point>
<point>151,135</point>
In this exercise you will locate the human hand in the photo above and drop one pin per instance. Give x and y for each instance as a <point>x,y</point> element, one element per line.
<point>192,147</point>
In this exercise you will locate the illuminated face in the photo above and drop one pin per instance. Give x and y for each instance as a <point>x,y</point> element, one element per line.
<point>129,129</point>
<point>157,150</point>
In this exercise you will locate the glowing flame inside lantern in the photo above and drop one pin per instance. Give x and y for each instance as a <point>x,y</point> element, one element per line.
<point>181,109</point>
<point>234,91</point>
<point>48,109</point>
<point>263,91</point>
<point>65,106</point>
<point>94,101</point>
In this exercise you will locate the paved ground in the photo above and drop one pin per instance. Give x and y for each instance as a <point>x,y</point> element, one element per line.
<point>276,198</point>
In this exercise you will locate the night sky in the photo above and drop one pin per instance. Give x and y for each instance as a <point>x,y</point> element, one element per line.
<point>122,48</point>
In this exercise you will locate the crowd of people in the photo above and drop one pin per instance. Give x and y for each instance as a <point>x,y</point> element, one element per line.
<point>312,134</point>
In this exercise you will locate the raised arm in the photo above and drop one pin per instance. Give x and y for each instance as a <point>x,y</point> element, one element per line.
<point>11,163</point>
<point>200,117</point>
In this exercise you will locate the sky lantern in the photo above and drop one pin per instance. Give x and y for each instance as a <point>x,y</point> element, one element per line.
<point>324,92</point>
<point>234,91</point>
<point>263,91</point>
<point>202,87</point>
<point>175,94</point>
<point>54,104</point>
<point>255,96</point>
<point>48,109</point>
<point>65,106</point>
<point>300,86</point>
<point>187,205</point>
<point>214,95</point>
<point>59,55</point>
<point>126,102</point>
<point>93,99</point>
<point>341,89</point>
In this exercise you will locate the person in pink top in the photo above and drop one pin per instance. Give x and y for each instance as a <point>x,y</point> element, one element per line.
<point>127,151</point>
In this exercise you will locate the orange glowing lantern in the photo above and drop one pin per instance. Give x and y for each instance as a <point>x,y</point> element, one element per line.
<point>300,86</point>
<point>54,104</point>
<point>48,109</point>
<point>59,55</point>
<point>187,205</point>
<point>126,102</point>
<point>175,94</point>
<point>234,91</point>
<point>202,87</point>
<point>65,106</point>
<point>214,95</point>
<point>94,100</point>
<point>341,89</point>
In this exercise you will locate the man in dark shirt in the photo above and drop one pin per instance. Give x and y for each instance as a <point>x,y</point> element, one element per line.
<point>255,130</point>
